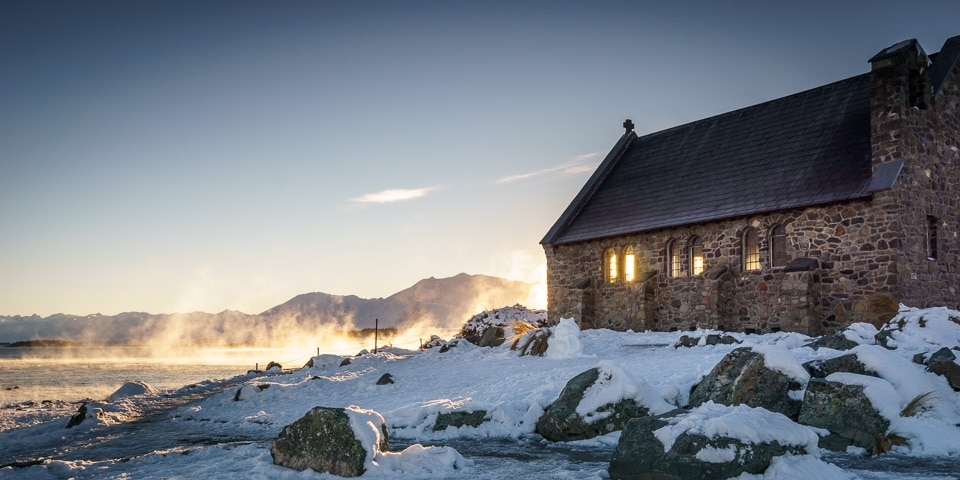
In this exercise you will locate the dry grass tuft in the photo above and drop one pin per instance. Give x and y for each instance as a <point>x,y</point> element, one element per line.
<point>920,404</point>
<point>886,442</point>
<point>529,339</point>
<point>520,328</point>
<point>877,309</point>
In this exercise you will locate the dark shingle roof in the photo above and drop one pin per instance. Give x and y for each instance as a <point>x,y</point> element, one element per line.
<point>945,60</point>
<point>805,149</point>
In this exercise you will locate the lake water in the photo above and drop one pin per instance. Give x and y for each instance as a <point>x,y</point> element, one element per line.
<point>76,373</point>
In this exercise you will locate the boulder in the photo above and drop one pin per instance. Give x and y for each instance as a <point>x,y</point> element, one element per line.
<point>83,413</point>
<point>385,379</point>
<point>718,339</point>
<point>844,363</point>
<point>687,341</point>
<point>944,354</point>
<point>707,443</point>
<point>742,377</point>
<point>274,366</point>
<point>459,419</point>
<point>435,341</point>
<point>492,337</point>
<point>845,411</point>
<point>836,341</point>
<point>324,441</point>
<point>561,421</point>
<point>947,369</point>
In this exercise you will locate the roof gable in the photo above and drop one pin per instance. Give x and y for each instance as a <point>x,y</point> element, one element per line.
<point>805,149</point>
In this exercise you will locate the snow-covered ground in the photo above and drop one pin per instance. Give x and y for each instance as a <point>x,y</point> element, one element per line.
<point>228,434</point>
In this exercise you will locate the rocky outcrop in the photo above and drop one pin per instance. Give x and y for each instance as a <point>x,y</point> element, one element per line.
<point>324,441</point>
<point>742,377</point>
<point>645,451</point>
<point>844,411</point>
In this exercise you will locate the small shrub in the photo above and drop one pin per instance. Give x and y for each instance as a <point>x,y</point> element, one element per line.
<point>886,442</point>
<point>876,309</point>
<point>920,404</point>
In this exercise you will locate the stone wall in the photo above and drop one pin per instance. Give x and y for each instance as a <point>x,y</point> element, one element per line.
<point>853,242</point>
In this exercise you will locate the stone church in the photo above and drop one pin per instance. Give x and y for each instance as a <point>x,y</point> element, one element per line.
<point>799,214</point>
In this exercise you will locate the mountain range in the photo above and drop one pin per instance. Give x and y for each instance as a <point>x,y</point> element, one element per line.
<point>440,304</point>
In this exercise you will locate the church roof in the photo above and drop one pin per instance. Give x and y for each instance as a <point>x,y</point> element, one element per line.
<point>805,149</point>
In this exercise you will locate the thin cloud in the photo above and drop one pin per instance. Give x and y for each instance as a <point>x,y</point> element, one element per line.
<point>393,195</point>
<point>580,164</point>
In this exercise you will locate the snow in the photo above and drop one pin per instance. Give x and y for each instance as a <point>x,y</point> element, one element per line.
<point>615,384</point>
<point>131,389</point>
<point>564,340</point>
<point>780,360</point>
<point>513,390</point>
<point>747,424</point>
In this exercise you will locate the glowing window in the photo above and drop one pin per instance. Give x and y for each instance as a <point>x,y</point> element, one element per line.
<point>611,266</point>
<point>674,267</point>
<point>778,246</point>
<point>751,250</point>
<point>696,256</point>
<point>629,265</point>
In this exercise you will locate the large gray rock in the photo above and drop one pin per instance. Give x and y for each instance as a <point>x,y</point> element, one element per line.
<point>844,363</point>
<point>459,419</point>
<point>323,440</point>
<point>835,341</point>
<point>640,455</point>
<point>741,377</point>
<point>947,369</point>
<point>844,411</point>
<point>560,421</point>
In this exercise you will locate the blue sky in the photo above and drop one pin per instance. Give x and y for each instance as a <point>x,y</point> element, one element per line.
<point>179,156</point>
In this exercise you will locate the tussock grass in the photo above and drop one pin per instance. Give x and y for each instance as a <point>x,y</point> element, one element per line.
<point>886,442</point>
<point>920,404</point>
<point>529,339</point>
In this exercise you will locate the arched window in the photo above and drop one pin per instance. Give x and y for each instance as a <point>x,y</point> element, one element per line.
<point>629,265</point>
<point>674,266</point>
<point>931,237</point>
<point>696,256</point>
<point>750,247</point>
<point>610,265</point>
<point>778,246</point>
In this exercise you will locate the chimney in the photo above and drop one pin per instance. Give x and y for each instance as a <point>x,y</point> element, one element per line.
<point>900,90</point>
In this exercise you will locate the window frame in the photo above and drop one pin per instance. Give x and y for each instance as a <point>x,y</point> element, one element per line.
<point>695,251</point>
<point>750,250</point>
<point>932,239</point>
<point>610,264</point>
<point>778,246</point>
<point>674,259</point>
<point>629,264</point>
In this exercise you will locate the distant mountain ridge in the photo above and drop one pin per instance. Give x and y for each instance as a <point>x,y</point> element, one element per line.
<point>444,303</point>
